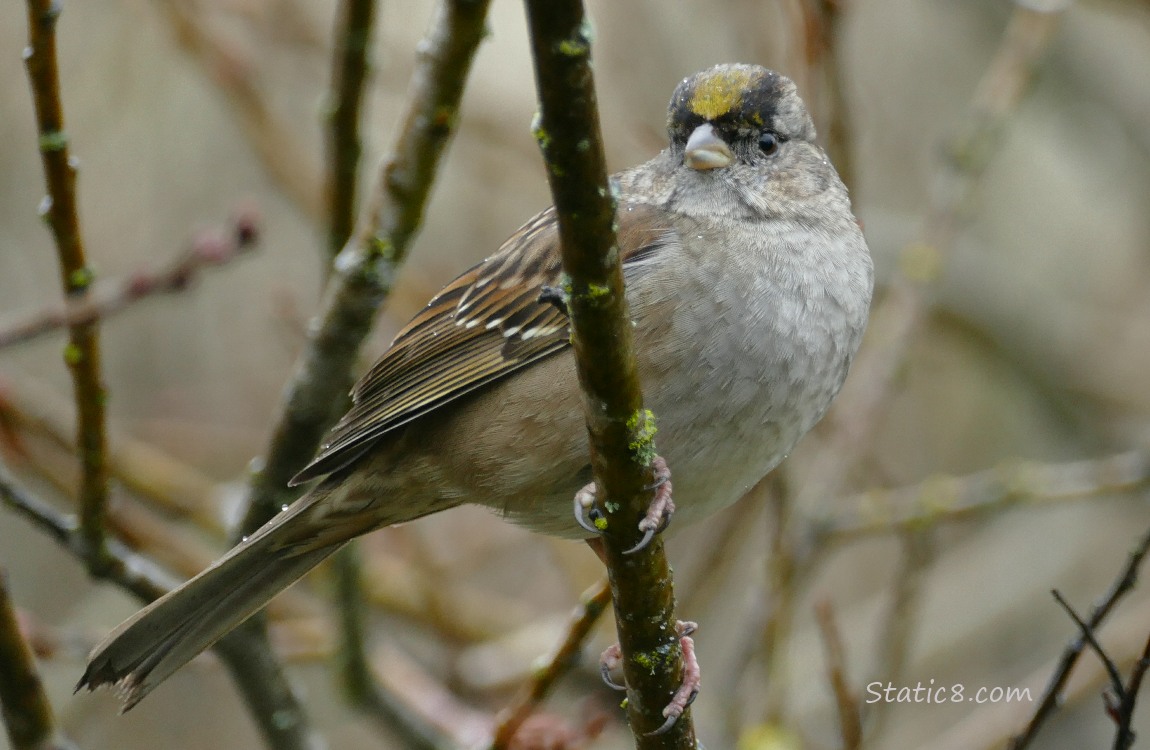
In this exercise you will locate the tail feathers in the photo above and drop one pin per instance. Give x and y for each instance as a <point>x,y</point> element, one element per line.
<point>143,651</point>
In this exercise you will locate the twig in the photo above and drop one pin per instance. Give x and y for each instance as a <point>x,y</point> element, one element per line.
<point>365,270</point>
<point>620,429</point>
<point>850,726</point>
<point>134,573</point>
<point>356,675</point>
<point>946,498</point>
<point>249,658</point>
<point>1124,711</point>
<point>364,273</point>
<point>897,632</point>
<point>591,607</point>
<point>1091,640</point>
<point>454,724</point>
<point>106,298</point>
<point>1050,698</point>
<point>896,322</point>
<point>26,710</point>
<point>780,593</point>
<point>349,73</point>
<point>991,726</point>
<point>278,149</point>
<point>82,353</point>
<point>821,33</point>
<point>142,468</point>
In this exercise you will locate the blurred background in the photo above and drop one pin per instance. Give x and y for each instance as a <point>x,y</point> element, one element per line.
<point>998,156</point>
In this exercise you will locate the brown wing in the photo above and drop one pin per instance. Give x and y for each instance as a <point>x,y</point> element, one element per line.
<point>483,326</point>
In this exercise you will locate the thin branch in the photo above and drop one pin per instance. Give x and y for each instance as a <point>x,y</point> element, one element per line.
<point>142,468</point>
<point>896,635</point>
<point>26,710</point>
<point>850,726</point>
<point>897,320</point>
<point>248,656</point>
<point>279,150</point>
<point>82,353</point>
<point>821,26</point>
<point>365,270</point>
<point>1051,695</point>
<point>105,298</point>
<point>359,683</point>
<point>620,429</point>
<point>591,607</point>
<point>364,273</point>
<point>350,69</point>
<point>1091,640</point>
<point>1124,711</point>
<point>131,572</point>
<point>947,498</point>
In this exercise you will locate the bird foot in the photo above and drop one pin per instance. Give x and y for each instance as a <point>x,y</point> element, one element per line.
<point>659,512</point>
<point>688,688</point>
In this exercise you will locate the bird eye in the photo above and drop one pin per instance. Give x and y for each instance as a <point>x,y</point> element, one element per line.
<point>769,143</point>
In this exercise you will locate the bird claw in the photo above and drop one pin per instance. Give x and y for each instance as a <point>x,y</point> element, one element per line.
<point>658,515</point>
<point>661,508</point>
<point>692,677</point>
<point>611,658</point>
<point>688,688</point>
<point>585,506</point>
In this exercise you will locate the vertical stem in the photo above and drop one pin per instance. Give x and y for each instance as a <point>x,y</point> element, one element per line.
<point>349,75</point>
<point>82,353</point>
<point>620,430</point>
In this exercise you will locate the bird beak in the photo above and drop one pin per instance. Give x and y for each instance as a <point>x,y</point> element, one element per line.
<point>706,150</point>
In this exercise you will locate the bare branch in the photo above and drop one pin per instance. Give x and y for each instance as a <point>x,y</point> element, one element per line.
<point>900,316</point>
<point>106,298</point>
<point>1124,711</point>
<point>365,270</point>
<point>591,607</point>
<point>26,711</point>
<point>946,498</point>
<point>1051,696</point>
<point>850,726</point>
<point>82,354</point>
<point>364,273</point>
<point>349,74</point>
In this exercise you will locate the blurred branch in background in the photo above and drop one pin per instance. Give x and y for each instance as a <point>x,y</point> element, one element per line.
<point>82,354</point>
<point>544,675</point>
<point>920,490</point>
<point>819,29</point>
<point>234,72</point>
<point>105,298</point>
<point>895,322</point>
<point>945,499</point>
<point>350,68</point>
<point>25,708</point>
<point>846,702</point>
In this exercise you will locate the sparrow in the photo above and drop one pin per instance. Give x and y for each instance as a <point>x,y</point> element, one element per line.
<point>748,282</point>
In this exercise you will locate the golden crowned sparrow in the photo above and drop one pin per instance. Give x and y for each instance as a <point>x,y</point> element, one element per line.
<point>748,281</point>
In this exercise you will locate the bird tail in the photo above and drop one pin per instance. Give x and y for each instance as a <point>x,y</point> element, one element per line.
<point>159,639</point>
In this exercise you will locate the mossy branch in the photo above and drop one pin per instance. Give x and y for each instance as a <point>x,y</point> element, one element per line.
<point>621,431</point>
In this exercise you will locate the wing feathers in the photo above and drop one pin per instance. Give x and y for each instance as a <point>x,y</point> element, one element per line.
<point>483,326</point>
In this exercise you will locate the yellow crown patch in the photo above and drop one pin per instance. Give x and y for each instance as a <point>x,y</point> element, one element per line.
<point>721,92</point>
